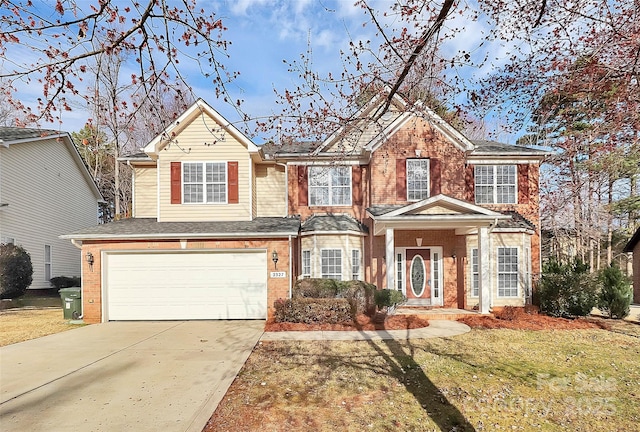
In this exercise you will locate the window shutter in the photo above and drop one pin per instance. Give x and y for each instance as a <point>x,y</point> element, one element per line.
<point>232,182</point>
<point>356,184</point>
<point>176,182</point>
<point>470,184</point>
<point>401,179</point>
<point>435,176</point>
<point>523,184</point>
<point>303,183</point>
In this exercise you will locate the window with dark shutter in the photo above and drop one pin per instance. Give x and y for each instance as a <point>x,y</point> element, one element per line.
<point>401,179</point>
<point>232,172</point>
<point>303,179</point>
<point>436,176</point>
<point>523,184</point>
<point>176,184</point>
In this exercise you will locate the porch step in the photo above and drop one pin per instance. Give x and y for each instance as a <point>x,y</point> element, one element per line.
<point>434,313</point>
<point>418,302</point>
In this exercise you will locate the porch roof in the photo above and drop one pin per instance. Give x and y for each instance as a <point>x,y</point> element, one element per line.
<point>437,212</point>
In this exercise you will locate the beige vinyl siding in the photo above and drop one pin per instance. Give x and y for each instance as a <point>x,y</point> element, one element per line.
<point>344,242</point>
<point>254,194</point>
<point>498,240</point>
<point>145,198</point>
<point>197,143</point>
<point>270,190</point>
<point>48,196</point>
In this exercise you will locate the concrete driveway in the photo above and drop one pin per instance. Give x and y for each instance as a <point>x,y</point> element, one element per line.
<point>142,376</point>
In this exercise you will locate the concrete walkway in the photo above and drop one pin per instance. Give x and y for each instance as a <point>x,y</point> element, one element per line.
<point>123,376</point>
<point>437,328</point>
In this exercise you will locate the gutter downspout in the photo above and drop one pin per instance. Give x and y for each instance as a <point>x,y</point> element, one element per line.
<point>79,246</point>
<point>290,267</point>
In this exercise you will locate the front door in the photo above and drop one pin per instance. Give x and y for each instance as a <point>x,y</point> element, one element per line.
<point>418,271</point>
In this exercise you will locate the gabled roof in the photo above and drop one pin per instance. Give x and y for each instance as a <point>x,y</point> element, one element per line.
<point>436,205</point>
<point>150,228</point>
<point>16,136</point>
<point>632,242</point>
<point>364,116</point>
<point>13,135</point>
<point>200,107</point>
<point>438,123</point>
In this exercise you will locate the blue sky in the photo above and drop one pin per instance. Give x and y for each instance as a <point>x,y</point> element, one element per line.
<point>266,32</point>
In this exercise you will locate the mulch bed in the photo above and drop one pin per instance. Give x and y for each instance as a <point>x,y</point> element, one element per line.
<point>363,322</point>
<point>533,321</point>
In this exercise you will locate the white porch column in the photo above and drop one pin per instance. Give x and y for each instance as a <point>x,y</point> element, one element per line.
<point>484,266</point>
<point>390,252</point>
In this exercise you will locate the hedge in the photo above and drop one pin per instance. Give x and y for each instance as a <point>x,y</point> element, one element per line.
<point>313,310</point>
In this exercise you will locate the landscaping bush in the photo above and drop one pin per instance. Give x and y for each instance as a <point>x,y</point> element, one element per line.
<point>60,282</point>
<point>313,310</point>
<point>315,288</point>
<point>508,313</point>
<point>567,289</point>
<point>388,298</point>
<point>360,295</point>
<point>614,298</point>
<point>16,271</point>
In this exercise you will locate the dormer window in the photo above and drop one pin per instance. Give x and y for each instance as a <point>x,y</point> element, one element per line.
<point>495,184</point>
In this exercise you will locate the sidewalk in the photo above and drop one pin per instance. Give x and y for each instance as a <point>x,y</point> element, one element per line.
<point>437,328</point>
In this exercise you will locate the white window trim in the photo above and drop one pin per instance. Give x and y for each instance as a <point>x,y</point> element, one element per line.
<point>302,272</point>
<point>328,167</point>
<point>406,168</point>
<point>356,275</point>
<point>321,264</point>
<point>517,273</point>
<point>204,183</point>
<point>495,185</point>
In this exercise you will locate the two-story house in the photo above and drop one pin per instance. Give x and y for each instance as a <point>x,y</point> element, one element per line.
<point>222,228</point>
<point>45,191</point>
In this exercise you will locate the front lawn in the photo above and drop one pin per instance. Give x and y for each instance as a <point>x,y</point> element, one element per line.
<point>19,325</point>
<point>579,380</point>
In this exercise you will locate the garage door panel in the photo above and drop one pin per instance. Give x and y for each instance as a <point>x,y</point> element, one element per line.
<point>212,285</point>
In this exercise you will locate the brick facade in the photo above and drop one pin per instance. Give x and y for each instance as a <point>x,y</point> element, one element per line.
<point>92,275</point>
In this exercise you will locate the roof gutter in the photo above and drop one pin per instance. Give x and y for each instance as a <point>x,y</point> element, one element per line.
<point>176,236</point>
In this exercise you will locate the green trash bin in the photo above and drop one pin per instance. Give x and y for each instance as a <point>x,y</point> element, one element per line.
<point>71,302</point>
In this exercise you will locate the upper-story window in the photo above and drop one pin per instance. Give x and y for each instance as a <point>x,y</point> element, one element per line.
<point>417,179</point>
<point>495,184</point>
<point>330,186</point>
<point>204,182</point>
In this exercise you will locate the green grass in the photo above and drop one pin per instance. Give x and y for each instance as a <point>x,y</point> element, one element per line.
<point>484,380</point>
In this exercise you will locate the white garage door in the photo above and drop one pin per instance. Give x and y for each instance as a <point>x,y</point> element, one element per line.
<point>186,285</point>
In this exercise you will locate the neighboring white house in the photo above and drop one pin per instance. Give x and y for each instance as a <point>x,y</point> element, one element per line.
<point>45,191</point>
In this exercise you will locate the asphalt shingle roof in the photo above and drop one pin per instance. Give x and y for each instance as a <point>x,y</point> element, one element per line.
<point>516,221</point>
<point>302,147</point>
<point>333,222</point>
<point>383,209</point>
<point>494,147</point>
<point>149,227</point>
<point>16,133</point>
